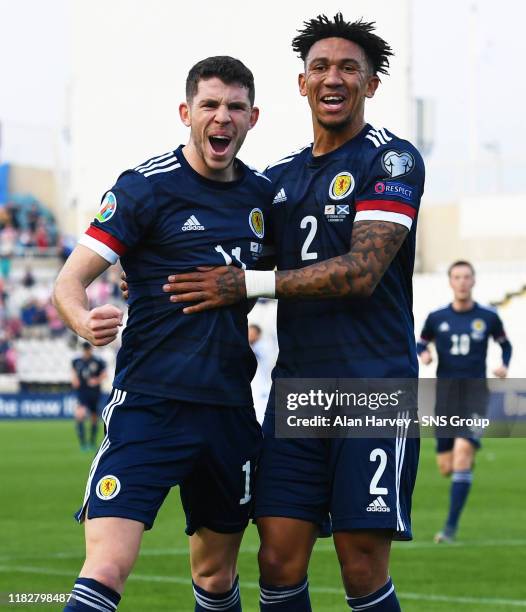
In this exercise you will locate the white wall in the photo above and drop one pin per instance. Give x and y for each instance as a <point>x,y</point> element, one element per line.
<point>493,216</point>
<point>131,58</point>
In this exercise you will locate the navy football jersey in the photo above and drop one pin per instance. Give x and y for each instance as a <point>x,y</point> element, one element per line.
<point>373,176</point>
<point>86,369</point>
<point>162,218</point>
<point>461,340</point>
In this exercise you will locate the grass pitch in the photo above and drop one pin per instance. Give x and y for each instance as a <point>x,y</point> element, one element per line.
<point>42,480</point>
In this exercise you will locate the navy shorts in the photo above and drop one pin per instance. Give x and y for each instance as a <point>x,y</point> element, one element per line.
<point>153,444</point>
<point>463,397</point>
<point>89,400</point>
<point>444,445</point>
<point>359,483</point>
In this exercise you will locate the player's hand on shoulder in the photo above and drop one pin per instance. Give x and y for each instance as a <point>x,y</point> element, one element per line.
<point>207,287</point>
<point>501,371</point>
<point>425,357</point>
<point>101,325</point>
<point>124,286</point>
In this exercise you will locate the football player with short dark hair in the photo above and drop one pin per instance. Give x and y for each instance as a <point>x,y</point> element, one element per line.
<point>181,410</point>
<point>460,333</point>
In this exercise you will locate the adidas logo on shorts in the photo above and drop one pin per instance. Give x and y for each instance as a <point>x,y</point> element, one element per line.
<point>378,505</point>
<point>192,225</point>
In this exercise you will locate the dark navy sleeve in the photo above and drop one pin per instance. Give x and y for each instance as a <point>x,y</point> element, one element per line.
<point>427,335</point>
<point>499,335</point>
<point>391,185</point>
<point>125,213</point>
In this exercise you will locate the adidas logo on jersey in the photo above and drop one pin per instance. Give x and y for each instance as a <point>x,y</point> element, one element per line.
<point>192,225</point>
<point>280,197</point>
<point>378,505</point>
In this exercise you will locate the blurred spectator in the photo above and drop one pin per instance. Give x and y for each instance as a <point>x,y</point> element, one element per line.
<point>14,212</point>
<point>13,328</point>
<point>8,236</point>
<point>99,292</point>
<point>55,324</point>
<point>7,355</point>
<point>5,217</point>
<point>10,360</point>
<point>66,245</point>
<point>41,236</point>
<point>34,319</point>
<point>25,239</point>
<point>28,279</point>
<point>3,292</point>
<point>33,217</point>
<point>28,312</point>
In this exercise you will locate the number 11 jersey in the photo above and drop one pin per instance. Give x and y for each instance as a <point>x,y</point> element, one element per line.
<point>162,218</point>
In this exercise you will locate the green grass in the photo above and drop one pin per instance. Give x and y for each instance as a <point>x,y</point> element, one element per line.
<point>42,479</point>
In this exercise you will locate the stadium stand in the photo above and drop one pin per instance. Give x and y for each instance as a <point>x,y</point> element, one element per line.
<point>35,347</point>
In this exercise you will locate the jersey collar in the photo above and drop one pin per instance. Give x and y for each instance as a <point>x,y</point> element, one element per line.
<point>210,182</point>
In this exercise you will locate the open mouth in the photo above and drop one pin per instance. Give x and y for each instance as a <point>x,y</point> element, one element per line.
<point>219,144</point>
<point>333,101</point>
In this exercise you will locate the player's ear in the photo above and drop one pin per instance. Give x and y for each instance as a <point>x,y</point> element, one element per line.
<point>372,86</point>
<point>302,83</point>
<point>184,113</point>
<point>254,116</point>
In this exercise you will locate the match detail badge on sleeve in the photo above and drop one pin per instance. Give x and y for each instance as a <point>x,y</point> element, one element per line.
<point>398,164</point>
<point>256,222</point>
<point>107,208</point>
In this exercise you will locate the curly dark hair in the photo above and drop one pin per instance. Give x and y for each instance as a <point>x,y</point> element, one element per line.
<point>376,50</point>
<point>228,69</point>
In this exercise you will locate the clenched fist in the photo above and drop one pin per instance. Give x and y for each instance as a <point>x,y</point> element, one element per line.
<point>100,325</point>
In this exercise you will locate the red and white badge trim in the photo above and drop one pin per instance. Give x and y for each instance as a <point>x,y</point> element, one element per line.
<point>102,243</point>
<point>385,210</point>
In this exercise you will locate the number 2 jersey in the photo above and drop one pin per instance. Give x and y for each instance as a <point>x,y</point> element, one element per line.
<point>461,340</point>
<point>375,176</point>
<point>162,218</point>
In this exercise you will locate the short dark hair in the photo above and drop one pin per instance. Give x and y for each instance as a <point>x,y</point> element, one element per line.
<point>228,69</point>
<point>461,262</point>
<point>86,346</point>
<point>376,50</point>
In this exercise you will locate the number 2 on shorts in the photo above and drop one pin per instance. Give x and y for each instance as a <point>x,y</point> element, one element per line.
<point>378,453</point>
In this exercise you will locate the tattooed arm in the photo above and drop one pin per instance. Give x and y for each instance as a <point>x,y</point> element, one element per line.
<point>373,246</point>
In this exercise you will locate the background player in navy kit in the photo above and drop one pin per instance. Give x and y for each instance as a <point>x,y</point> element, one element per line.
<point>88,372</point>
<point>359,188</point>
<point>181,410</point>
<point>460,333</point>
